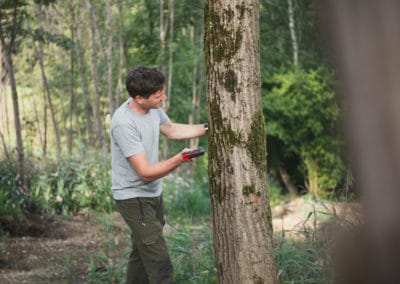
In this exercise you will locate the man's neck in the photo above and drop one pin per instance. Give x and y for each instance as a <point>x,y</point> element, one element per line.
<point>137,108</point>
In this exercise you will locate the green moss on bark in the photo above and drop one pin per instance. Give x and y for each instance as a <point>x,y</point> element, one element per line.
<point>224,40</point>
<point>247,190</point>
<point>256,142</point>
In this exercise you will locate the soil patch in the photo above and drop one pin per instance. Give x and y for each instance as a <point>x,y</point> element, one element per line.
<point>55,250</point>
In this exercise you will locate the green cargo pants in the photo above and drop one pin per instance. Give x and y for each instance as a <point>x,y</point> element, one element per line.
<point>149,261</point>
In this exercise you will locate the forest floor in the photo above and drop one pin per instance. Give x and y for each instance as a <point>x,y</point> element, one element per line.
<point>55,250</point>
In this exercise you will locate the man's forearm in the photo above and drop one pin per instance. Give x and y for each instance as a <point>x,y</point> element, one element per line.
<point>149,172</point>
<point>184,131</point>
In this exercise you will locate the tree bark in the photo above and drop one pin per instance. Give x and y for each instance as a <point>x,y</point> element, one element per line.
<point>242,231</point>
<point>364,37</point>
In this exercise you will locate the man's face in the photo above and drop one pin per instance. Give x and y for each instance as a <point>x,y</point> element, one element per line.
<point>154,101</point>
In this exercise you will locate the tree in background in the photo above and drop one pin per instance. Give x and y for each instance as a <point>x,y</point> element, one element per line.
<point>303,120</point>
<point>300,104</point>
<point>12,15</point>
<point>237,147</point>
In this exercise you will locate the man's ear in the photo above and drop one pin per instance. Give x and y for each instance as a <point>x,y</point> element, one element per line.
<point>138,99</point>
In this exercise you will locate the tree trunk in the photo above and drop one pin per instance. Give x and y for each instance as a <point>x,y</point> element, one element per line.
<point>39,54</point>
<point>243,238</point>
<point>163,32</point>
<point>7,49</point>
<point>84,82</point>
<point>96,80</point>
<point>110,30</point>
<point>170,53</point>
<point>71,84</point>
<point>365,38</point>
<point>195,114</point>
<point>293,36</point>
<point>287,181</point>
<point>120,86</point>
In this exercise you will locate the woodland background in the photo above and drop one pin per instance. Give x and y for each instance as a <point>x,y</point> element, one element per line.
<point>62,76</point>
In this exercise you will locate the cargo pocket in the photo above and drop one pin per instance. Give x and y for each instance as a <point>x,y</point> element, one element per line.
<point>151,229</point>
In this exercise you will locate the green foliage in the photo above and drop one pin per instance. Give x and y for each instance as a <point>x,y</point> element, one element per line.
<point>70,186</point>
<point>191,250</point>
<point>302,114</point>
<point>276,43</point>
<point>300,262</point>
<point>185,198</point>
<point>73,185</point>
<point>13,197</point>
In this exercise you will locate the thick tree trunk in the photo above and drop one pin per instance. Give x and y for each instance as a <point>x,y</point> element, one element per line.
<point>365,38</point>
<point>243,238</point>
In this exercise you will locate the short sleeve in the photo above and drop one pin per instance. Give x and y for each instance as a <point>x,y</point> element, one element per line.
<point>163,116</point>
<point>129,140</point>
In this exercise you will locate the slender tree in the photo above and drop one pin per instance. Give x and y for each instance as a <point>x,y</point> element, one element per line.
<point>96,45</point>
<point>110,31</point>
<point>10,26</point>
<point>243,238</point>
<point>39,51</point>
<point>293,35</point>
<point>80,46</point>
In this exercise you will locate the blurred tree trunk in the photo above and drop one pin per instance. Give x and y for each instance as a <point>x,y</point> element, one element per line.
<point>110,31</point>
<point>194,115</point>
<point>242,224</point>
<point>121,55</point>
<point>364,37</point>
<point>83,80</point>
<point>71,88</point>
<point>287,181</point>
<point>163,32</point>
<point>7,48</point>
<point>39,55</point>
<point>292,28</point>
<point>170,53</point>
<point>95,77</point>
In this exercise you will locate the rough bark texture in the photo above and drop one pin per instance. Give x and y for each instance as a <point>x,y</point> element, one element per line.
<point>237,147</point>
<point>365,38</point>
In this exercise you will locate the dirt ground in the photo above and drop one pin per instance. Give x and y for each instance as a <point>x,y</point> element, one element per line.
<point>55,250</point>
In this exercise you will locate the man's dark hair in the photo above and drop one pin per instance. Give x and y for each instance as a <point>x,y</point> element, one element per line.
<point>144,81</point>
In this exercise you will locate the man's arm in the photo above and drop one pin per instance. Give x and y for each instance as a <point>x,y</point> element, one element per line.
<point>149,172</point>
<point>182,131</point>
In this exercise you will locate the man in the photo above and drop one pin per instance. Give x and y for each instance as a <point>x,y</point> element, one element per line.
<point>137,174</point>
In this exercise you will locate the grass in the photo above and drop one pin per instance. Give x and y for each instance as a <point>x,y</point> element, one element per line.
<point>74,186</point>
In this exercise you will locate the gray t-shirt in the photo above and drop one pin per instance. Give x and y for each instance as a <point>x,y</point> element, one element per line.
<point>133,133</point>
